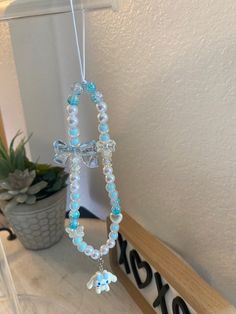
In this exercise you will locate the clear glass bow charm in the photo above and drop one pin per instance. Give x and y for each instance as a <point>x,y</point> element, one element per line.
<point>86,151</point>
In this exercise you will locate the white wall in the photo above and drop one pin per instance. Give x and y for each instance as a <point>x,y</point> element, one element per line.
<point>167,69</point>
<point>10,105</point>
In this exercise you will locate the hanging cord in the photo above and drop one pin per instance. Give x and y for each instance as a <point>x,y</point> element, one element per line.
<point>81,62</point>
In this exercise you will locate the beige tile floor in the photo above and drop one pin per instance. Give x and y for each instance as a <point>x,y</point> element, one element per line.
<point>61,273</point>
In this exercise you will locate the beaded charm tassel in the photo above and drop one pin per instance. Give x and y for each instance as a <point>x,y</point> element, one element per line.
<point>75,154</point>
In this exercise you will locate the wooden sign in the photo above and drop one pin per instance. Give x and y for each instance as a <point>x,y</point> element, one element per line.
<point>157,279</point>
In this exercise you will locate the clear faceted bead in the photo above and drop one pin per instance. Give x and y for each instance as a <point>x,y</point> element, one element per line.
<point>80,231</point>
<point>76,88</point>
<point>107,154</point>
<point>112,145</point>
<point>75,169</point>
<point>107,161</point>
<point>99,146</point>
<point>71,233</point>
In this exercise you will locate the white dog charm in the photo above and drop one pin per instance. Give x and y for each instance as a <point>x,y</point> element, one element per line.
<point>101,281</point>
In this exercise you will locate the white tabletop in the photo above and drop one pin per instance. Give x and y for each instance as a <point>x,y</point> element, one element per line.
<point>61,273</point>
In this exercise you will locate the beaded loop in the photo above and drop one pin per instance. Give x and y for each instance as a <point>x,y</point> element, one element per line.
<point>75,152</point>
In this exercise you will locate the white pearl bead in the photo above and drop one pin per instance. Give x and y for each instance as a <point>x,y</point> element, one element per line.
<point>74,177</point>
<point>89,250</point>
<point>111,243</point>
<point>104,249</point>
<point>101,107</point>
<point>102,117</point>
<point>72,110</point>
<point>96,254</point>
<point>107,170</point>
<point>110,178</point>
<point>116,218</point>
<point>72,121</point>
<point>74,187</point>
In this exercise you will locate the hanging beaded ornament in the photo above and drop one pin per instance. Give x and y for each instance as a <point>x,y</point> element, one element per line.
<point>76,153</point>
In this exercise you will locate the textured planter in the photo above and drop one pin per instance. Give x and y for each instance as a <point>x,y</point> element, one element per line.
<point>41,225</point>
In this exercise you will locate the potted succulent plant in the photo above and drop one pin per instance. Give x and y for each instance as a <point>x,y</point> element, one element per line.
<point>32,196</point>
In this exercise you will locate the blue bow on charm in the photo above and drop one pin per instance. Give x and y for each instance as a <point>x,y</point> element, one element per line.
<point>87,151</point>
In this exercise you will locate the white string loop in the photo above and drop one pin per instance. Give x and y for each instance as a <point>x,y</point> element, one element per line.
<point>81,62</point>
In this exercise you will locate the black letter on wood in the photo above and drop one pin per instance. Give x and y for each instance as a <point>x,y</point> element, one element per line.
<point>162,290</point>
<point>178,303</point>
<point>137,263</point>
<point>123,258</point>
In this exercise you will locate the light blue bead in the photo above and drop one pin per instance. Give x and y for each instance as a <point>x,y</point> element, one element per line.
<point>77,241</point>
<point>74,215</point>
<point>74,205</point>
<point>104,137</point>
<point>116,210</point>
<point>82,246</point>
<point>75,196</point>
<point>113,195</point>
<point>110,187</point>
<point>75,141</point>
<point>90,87</point>
<point>73,131</point>
<point>103,127</point>
<point>73,225</point>
<point>115,202</point>
<point>73,100</point>
<point>113,235</point>
<point>114,227</point>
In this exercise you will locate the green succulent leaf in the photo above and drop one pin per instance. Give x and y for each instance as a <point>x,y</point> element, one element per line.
<point>4,168</point>
<point>31,199</point>
<point>12,152</point>
<point>24,181</point>
<point>21,198</point>
<point>3,151</point>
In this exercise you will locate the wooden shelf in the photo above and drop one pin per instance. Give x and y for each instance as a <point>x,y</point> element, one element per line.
<point>191,287</point>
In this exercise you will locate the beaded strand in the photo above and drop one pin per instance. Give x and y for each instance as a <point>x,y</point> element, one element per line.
<point>106,147</point>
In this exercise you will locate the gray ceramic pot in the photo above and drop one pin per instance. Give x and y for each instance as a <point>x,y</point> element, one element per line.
<point>40,225</point>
